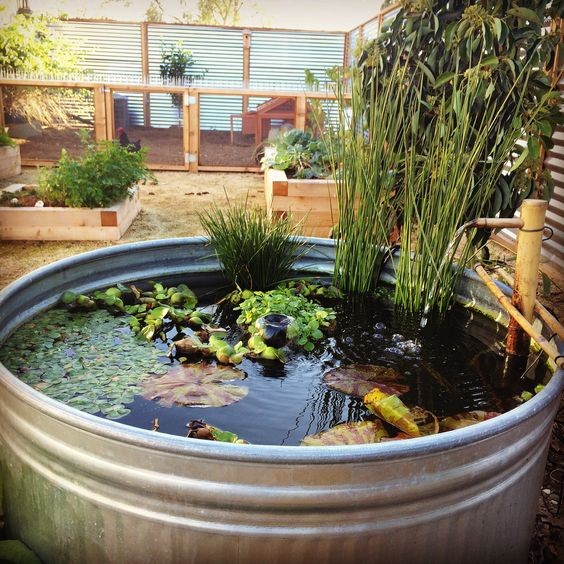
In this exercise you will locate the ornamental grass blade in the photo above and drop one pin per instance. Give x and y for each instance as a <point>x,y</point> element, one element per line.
<point>465,419</point>
<point>359,379</point>
<point>202,385</point>
<point>364,432</point>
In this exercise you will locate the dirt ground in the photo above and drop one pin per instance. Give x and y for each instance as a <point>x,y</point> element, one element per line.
<point>170,209</point>
<point>164,146</point>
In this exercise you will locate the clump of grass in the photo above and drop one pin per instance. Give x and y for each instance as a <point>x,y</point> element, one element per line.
<point>256,252</point>
<point>366,151</point>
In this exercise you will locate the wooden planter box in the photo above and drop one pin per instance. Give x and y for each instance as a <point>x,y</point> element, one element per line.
<point>313,201</point>
<point>10,161</point>
<point>69,224</point>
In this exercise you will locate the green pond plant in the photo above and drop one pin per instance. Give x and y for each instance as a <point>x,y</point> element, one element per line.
<point>460,134</point>
<point>255,251</point>
<point>366,151</point>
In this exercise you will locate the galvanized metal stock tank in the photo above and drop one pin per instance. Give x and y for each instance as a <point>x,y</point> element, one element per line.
<point>82,489</point>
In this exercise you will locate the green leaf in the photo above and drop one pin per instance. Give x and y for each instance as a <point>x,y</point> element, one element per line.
<point>444,78</point>
<point>526,14</point>
<point>427,71</point>
<point>533,145</point>
<point>520,159</point>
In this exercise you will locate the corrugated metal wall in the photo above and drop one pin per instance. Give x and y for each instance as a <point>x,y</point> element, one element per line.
<point>279,58</point>
<point>553,249</point>
<point>109,49</point>
<point>218,58</point>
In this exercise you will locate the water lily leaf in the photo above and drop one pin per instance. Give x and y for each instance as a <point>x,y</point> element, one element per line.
<point>426,421</point>
<point>202,385</point>
<point>465,419</point>
<point>391,409</point>
<point>360,433</point>
<point>359,379</point>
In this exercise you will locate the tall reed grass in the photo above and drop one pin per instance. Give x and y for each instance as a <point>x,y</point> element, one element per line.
<point>255,252</point>
<point>366,151</point>
<point>450,177</point>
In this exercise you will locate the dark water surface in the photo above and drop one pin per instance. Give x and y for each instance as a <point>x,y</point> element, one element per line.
<point>451,367</point>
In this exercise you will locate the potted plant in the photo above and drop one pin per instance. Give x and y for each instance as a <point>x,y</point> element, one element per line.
<point>297,179</point>
<point>94,197</point>
<point>10,161</point>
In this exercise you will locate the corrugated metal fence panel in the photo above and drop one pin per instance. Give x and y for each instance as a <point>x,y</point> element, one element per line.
<point>554,247</point>
<point>280,58</point>
<point>218,56</point>
<point>108,48</point>
<point>354,38</point>
<point>371,29</point>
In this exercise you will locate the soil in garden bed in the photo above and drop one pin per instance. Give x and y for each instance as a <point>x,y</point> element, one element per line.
<point>450,368</point>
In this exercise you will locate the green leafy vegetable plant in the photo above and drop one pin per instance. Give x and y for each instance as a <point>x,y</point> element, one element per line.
<point>256,252</point>
<point>300,154</point>
<point>104,175</point>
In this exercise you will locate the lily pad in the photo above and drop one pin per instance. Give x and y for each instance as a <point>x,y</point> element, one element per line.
<point>202,385</point>
<point>361,433</point>
<point>465,419</point>
<point>415,421</point>
<point>359,379</point>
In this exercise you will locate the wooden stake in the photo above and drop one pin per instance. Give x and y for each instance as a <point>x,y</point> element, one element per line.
<point>529,245</point>
<point>516,315</point>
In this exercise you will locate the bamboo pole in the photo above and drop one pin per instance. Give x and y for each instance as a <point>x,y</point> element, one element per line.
<point>516,315</point>
<point>545,315</point>
<point>529,245</point>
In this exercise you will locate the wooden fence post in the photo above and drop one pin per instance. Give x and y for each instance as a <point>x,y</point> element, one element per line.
<point>100,131</point>
<point>145,73</point>
<point>301,111</point>
<point>246,65</point>
<point>193,111</point>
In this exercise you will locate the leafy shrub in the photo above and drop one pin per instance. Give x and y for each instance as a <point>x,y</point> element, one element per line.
<point>300,154</point>
<point>5,139</point>
<point>256,252</point>
<point>102,177</point>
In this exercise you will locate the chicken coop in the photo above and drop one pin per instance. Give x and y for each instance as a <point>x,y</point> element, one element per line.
<point>249,86</point>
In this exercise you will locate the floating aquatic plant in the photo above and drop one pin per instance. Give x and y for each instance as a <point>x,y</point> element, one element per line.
<point>202,385</point>
<point>90,361</point>
<point>360,433</point>
<point>359,379</point>
<point>310,318</point>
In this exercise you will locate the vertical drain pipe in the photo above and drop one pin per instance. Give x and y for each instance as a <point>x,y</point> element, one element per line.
<point>529,244</point>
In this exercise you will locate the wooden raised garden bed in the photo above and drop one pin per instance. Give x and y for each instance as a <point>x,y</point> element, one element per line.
<point>69,224</point>
<point>313,201</point>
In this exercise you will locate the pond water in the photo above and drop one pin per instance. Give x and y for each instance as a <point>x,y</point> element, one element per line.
<point>92,361</point>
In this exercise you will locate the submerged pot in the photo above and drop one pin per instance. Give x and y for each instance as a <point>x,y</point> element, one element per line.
<point>78,488</point>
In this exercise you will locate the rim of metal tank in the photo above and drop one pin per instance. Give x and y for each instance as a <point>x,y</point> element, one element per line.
<point>321,250</point>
